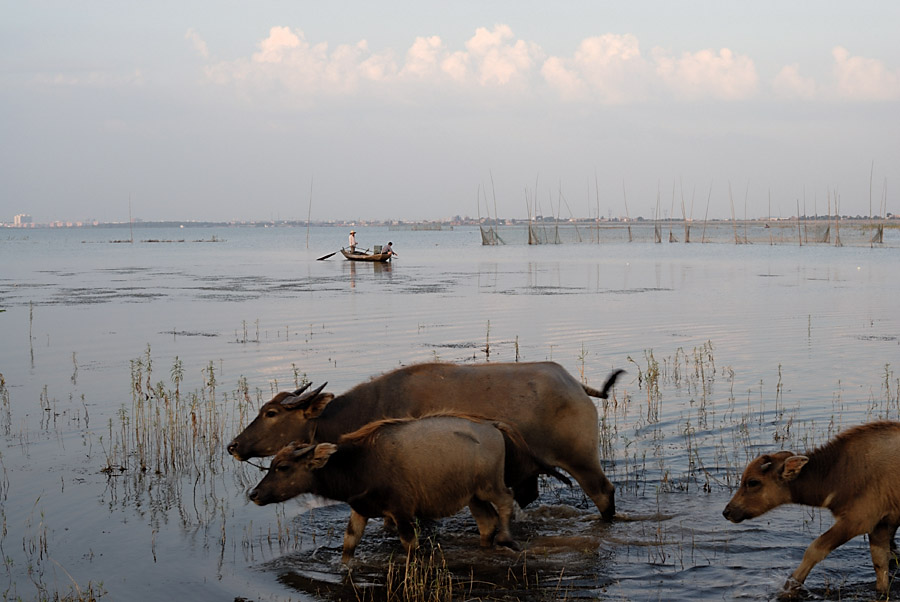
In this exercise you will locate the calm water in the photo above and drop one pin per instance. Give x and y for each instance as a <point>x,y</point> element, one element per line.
<point>730,350</point>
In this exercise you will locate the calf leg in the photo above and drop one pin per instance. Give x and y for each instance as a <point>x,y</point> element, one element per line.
<point>502,499</point>
<point>486,517</point>
<point>880,539</point>
<point>504,504</point>
<point>838,534</point>
<point>353,534</point>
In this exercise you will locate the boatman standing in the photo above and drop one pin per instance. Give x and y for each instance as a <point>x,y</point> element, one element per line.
<point>352,241</point>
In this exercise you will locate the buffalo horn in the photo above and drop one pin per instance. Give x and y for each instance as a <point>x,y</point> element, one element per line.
<point>293,402</point>
<point>302,389</point>
<point>302,451</point>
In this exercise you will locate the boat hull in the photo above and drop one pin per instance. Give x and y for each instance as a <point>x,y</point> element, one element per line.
<point>372,257</point>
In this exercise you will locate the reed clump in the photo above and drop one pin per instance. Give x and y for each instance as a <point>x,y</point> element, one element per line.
<point>5,411</point>
<point>421,577</point>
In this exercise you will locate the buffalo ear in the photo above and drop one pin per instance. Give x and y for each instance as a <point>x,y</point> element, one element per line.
<point>321,454</point>
<point>316,405</point>
<point>300,451</point>
<point>792,467</point>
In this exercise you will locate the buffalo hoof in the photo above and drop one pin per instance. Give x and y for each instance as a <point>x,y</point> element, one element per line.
<point>508,543</point>
<point>792,590</point>
<point>610,513</point>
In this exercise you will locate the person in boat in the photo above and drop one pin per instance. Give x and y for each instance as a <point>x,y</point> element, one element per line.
<point>352,241</point>
<point>389,249</point>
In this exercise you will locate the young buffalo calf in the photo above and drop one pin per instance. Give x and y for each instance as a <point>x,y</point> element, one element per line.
<point>856,475</point>
<point>403,469</point>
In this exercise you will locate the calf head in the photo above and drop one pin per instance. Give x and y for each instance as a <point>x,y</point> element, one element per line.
<point>291,473</point>
<point>287,417</point>
<point>765,484</point>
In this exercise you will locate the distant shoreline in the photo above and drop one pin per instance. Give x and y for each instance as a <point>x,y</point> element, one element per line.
<point>437,224</point>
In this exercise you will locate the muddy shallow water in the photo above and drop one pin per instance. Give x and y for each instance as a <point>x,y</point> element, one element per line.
<point>731,350</point>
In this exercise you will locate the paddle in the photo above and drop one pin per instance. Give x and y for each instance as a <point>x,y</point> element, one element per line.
<point>325,256</point>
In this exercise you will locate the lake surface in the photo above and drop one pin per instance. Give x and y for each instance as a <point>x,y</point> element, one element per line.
<point>126,369</point>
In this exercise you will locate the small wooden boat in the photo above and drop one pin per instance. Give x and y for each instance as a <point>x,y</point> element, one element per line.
<point>365,256</point>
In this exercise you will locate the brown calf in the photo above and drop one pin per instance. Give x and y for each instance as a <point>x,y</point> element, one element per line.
<point>404,469</point>
<point>856,476</point>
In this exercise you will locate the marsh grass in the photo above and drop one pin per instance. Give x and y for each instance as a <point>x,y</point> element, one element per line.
<point>422,576</point>
<point>5,410</point>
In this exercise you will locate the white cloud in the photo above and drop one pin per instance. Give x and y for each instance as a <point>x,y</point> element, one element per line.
<point>456,66</point>
<point>287,63</point>
<point>378,67</point>
<point>612,70</point>
<point>707,74</point>
<point>198,42</point>
<point>423,58</point>
<point>865,79</point>
<point>496,60</point>
<point>278,45</point>
<point>563,79</point>
<point>609,68</point>
<point>791,85</point>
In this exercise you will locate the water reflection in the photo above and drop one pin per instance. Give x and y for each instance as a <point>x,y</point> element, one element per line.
<point>383,269</point>
<point>356,272</point>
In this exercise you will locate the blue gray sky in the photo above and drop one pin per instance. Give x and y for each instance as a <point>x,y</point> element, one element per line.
<point>220,110</point>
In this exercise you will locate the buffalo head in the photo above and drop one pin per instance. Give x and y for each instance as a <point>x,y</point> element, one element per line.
<point>284,419</point>
<point>291,473</point>
<point>765,484</point>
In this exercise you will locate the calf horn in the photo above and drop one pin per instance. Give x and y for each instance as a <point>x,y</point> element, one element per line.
<point>301,451</point>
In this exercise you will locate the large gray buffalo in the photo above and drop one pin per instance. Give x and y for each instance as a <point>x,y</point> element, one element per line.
<point>403,469</point>
<point>547,405</point>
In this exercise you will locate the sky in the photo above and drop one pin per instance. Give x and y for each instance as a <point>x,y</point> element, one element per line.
<point>412,110</point>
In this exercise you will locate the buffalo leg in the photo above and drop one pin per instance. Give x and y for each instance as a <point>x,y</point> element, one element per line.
<point>839,533</point>
<point>355,527</point>
<point>486,517</point>
<point>526,491</point>
<point>407,532</point>
<point>880,539</point>
<point>595,484</point>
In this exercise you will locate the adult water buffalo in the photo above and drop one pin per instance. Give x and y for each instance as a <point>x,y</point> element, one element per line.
<point>403,469</point>
<point>856,475</point>
<point>546,404</point>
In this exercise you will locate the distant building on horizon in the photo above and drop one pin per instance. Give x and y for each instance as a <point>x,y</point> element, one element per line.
<point>22,220</point>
